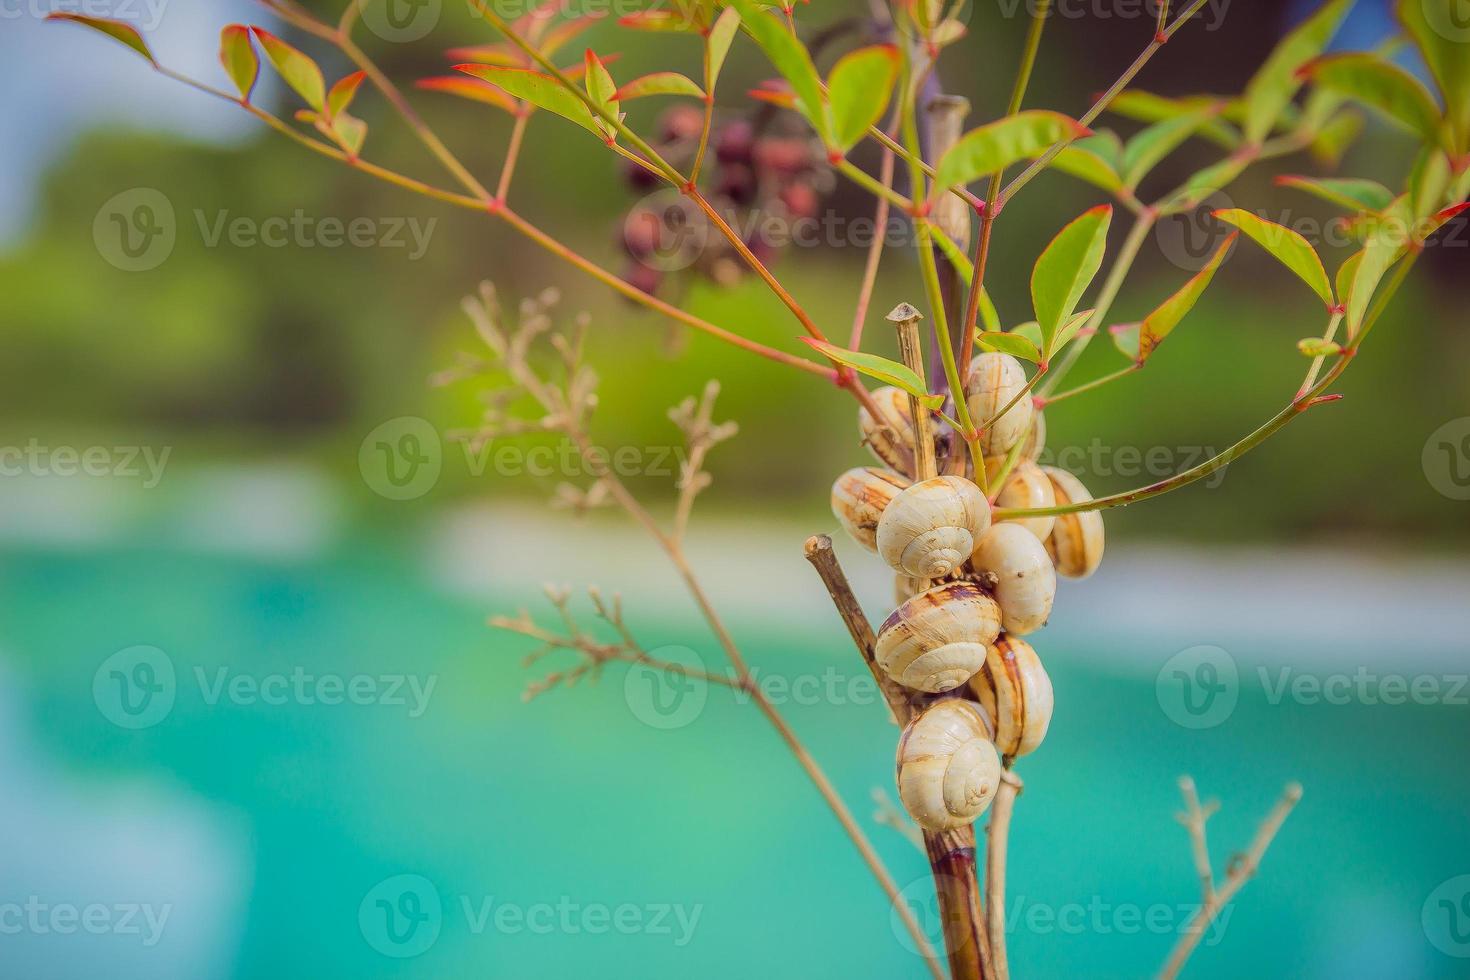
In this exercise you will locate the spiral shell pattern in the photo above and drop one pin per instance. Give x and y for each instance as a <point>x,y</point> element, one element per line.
<point>938,639</point>
<point>930,529</point>
<point>948,769</point>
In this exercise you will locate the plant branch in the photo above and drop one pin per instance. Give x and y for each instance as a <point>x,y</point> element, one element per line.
<point>997,840</point>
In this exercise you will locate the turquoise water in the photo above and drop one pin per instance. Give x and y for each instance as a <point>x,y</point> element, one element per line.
<point>534,827</point>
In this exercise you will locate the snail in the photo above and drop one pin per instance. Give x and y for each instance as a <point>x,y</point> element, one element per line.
<point>1028,487</point>
<point>930,528</point>
<point>1020,573</point>
<point>859,498</point>
<point>1036,441</point>
<point>905,587</point>
<point>1015,692</point>
<point>891,443</point>
<point>1076,542</point>
<point>948,769</point>
<point>936,641</point>
<point>993,382</point>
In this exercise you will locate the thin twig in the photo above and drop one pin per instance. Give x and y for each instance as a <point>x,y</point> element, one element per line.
<point>1242,868</point>
<point>1193,818</point>
<point>997,841</point>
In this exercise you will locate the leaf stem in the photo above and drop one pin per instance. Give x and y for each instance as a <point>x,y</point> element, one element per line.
<point>512,152</point>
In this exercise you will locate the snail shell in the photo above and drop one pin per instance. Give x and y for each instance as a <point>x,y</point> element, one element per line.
<point>891,443</point>
<point>948,769</point>
<point>905,587</point>
<point>936,641</point>
<point>859,498</point>
<point>1015,691</point>
<point>1027,486</point>
<point>993,381</point>
<point>1076,542</point>
<point>930,529</point>
<point>1036,441</point>
<point>1025,583</point>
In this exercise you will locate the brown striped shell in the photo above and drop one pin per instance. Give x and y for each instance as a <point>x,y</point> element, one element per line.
<point>891,443</point>
<point>1076,542</point>
<point>938,639</point>
<point>1028,487</point>
<point>859,498</point>
<point>930,528</point>
<point>1016,692</point>
<point>1024,581</point>
<point>948,769</point>
<point>993,382</point>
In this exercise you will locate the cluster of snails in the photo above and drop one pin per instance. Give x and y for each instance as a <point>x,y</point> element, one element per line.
<point>759,174</point>
<point>968,588</point>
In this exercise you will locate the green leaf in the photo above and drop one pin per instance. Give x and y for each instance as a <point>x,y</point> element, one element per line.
<point>540,90</point>
<point>1085,164</point>
<point>1439,30</point>
<point>298,70</point>
<point>721,36</point>
<point>1351,193</point>
<point>1318,347</point>
<point>342,94</point>
<point>660,21</point>
<point>1288,247</point>
<point>237,55</point>
<point>1276,83</point>
<point>470,88</point>
<point>1147,149</point>
<point>1206,182</point>
<point>1379,85</point>
<point>1010,343</point>
<point>1071,329</point>
<point>1150,108</point>
<point>1031,330</point>
<point>350,131</point>
<point>658,83</point>
<point>859,88</point>
<point>115,29</point>
<point>1429,182</point>
<point>1386,243</point>
<point>1066,269</point>
<point>992,148</point>
<point>1346,273</point>
<point>603,91</point>
<point>886,371</point>
<point>1336,136</point>
<point>792,61</point>
<point>1139,341</point>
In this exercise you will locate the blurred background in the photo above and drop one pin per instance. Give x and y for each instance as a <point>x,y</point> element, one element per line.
<point>253,722</point>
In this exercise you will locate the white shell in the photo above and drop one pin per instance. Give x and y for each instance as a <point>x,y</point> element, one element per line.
<point>936,641</point>
<point>859,498</point>
<point>993,381</point>
<point>930,529</point>
<point>948,769</point>
<point>1076,542</point>
<point>1016,693</point>
<point>1025,583</point>
<point>893,443</point>
<point>905,587</point>
<point>1036,441</point>
<point>1026,486</point>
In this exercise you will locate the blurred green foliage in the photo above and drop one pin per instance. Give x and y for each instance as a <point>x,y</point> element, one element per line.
<point>263,351</point>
